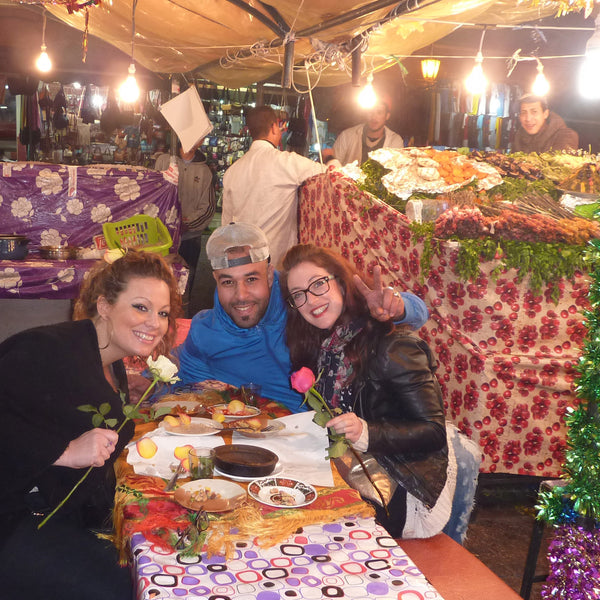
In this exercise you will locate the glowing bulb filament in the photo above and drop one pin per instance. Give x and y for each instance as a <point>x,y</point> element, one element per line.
<point>367,97</point>
<point>43,62</point>
<point>129,90</point>
<point>476,82</point>
<point>540,86</point>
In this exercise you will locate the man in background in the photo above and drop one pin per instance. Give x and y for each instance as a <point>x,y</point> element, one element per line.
<point>198,203</point>
<point>540,129</point>
<point>262,187</point>
<point>356,142</point>
<point>243,337</point>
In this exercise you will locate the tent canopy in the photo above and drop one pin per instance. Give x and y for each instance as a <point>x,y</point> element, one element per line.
<point>237,42</point>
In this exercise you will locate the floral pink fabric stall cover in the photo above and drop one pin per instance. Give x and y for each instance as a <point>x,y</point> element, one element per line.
<point>56,205</point>
<point>506,356</point>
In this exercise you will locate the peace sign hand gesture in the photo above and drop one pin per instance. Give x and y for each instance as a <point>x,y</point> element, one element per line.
<point>385,303</point>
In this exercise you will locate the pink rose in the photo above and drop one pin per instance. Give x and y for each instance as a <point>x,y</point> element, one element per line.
<point>302,380</point>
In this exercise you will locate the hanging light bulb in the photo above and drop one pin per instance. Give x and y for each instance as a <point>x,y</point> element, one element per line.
<point>476,82</point>
<point>589,84</point>
<point>129,91</point>
<point>43,62</point>
<point>367,97</point>
<point>540,86</point>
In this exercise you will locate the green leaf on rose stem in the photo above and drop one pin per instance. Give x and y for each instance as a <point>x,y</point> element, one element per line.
<point>110,422</point>
<point>97,420</point>
<point>129,411</point>
<point>338,448</point>
<point>104,408</point>
<point>87,408</point>
<point>321,418</point>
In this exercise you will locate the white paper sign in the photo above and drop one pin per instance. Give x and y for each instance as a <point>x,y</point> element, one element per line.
<point>186,115</point>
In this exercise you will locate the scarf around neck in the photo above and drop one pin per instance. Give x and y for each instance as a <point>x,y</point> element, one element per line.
<point>335,367</point>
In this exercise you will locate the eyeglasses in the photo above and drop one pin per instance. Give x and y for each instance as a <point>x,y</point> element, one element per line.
<point>317,288</point>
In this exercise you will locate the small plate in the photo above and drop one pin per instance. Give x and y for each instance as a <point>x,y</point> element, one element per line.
<point>278,468</point>
<point>229,495</point>
<point>274,428</point>
<point>253,411</point>
<point>282,492</point>
<point>199,427</point>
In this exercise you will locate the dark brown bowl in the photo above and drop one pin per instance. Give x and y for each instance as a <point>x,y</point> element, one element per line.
<point>243,460</point>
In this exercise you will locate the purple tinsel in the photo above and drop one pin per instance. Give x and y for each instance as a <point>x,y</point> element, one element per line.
<point>574,560</point>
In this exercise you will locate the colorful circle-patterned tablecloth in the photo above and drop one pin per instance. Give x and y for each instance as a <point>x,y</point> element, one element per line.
<point>349,558</point>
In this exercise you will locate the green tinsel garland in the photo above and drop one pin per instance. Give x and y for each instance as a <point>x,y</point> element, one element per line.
<point>581,494</point>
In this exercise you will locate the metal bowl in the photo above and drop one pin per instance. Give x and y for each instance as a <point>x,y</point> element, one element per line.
<point>58,252</point>
<point>13,247</point>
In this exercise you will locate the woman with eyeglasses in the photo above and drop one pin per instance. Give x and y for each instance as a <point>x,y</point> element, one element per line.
<point>382,378</point>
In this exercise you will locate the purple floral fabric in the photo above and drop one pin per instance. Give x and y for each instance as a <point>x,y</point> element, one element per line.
<point>56,205</point>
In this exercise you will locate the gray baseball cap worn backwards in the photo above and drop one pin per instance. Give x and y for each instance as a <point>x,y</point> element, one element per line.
<point>236,235</point>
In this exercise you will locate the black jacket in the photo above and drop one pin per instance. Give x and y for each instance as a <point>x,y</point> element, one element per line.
<point>400,399</point>
<point>46,374</point>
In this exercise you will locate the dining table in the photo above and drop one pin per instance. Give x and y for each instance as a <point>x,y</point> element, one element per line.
<point>329,546</point>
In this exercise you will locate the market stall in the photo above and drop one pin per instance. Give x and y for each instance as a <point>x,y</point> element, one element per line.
<point>58,206</point>
<point>506,352</point>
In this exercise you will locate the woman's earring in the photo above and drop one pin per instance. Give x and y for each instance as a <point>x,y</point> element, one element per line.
<point>110,334</point>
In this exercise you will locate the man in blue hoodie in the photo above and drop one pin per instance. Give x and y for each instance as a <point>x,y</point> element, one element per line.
<point>242,338</point>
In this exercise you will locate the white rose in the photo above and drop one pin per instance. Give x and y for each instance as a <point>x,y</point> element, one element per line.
<point>163,369</point>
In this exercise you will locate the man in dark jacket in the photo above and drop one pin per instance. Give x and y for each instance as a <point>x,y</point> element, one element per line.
<point>542,130</point>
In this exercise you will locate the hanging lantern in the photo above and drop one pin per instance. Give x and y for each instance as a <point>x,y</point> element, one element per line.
<point>430,68</point>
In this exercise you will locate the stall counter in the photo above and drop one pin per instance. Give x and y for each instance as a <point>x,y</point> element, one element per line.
<point>506,355</point>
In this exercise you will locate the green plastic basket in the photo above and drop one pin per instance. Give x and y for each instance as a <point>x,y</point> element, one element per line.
<point>140,232</point>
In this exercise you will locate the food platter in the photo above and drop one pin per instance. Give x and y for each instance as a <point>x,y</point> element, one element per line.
<point>282,492</point>
<point>198,427</point>
<point>278,468</point>
<point>211,495</point>
<point>269,429</point>
<point>249,411</point>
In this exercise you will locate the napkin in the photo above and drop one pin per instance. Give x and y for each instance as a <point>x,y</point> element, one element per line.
<point>162,463</point>
<point>301,447</point>
<point>187,117</point>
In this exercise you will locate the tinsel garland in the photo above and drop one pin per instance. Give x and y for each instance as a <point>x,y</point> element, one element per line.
<point>574,555</point>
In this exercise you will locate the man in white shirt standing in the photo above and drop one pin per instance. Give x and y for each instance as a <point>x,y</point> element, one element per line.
<point>356,142</point>
<point>261,188</point>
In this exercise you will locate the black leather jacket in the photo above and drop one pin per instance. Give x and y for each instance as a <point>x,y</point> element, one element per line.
<point>400,399</point>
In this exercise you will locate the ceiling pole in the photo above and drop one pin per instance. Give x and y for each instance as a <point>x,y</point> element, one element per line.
<point>279,28</point>
<point>288,64</point>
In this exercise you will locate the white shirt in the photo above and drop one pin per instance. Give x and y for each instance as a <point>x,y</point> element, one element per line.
<point>262,188</point>
<point>348,144</point>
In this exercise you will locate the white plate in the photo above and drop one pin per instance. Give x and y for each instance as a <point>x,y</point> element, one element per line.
<point>251,409</point>
<point>229,495</point>
<point>198,427</point>
<point>278,468</point>
<point>276,426</point>
<point>282,492</point>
